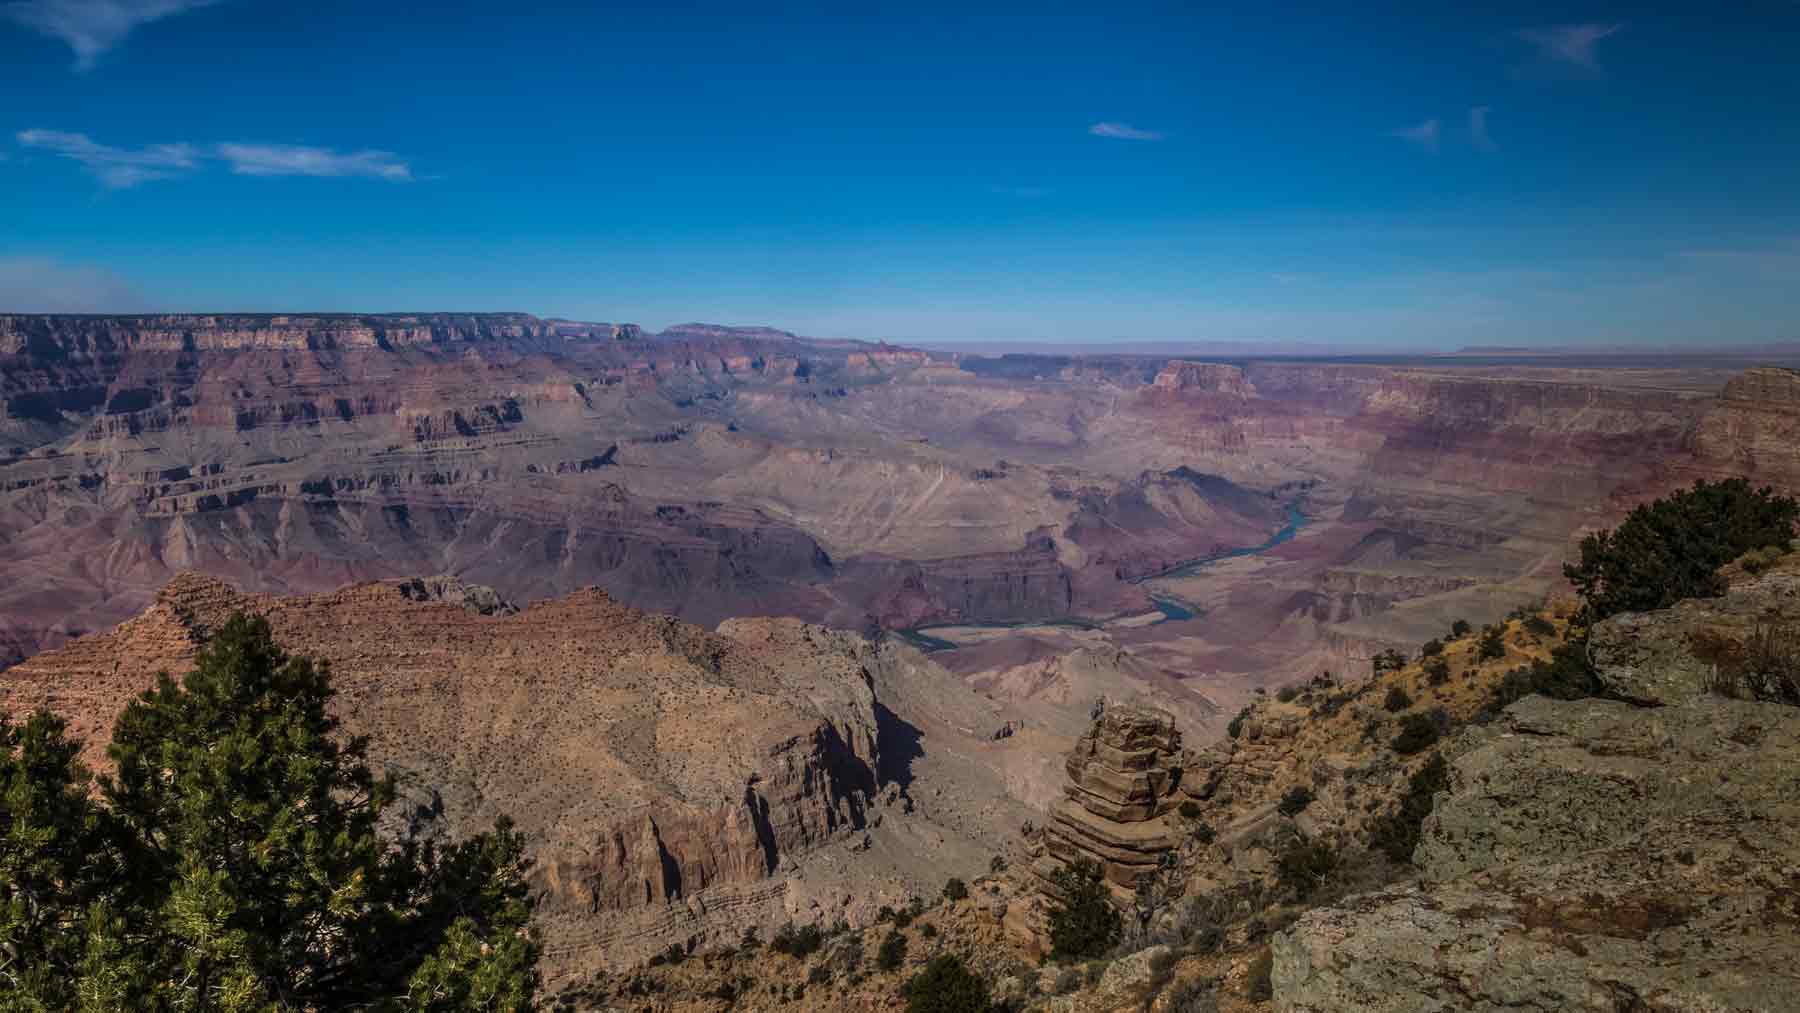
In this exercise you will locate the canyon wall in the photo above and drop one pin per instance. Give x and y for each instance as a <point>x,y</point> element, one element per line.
<point>714,471</point>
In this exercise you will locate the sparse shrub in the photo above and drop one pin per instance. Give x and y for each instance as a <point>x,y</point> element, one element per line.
<point>928,930</point>
<point>1286,694</point>
<point>750,940</point>
<point>1295,801</point>
<point>892,953</point>
<point>1536,625</point>
<point>1417,732</point>
<point>1204,833</point>
<point>799,942</point>
<point>997,864</point>
<point>955,889</point>
<point>1085,924</point>
<point>946,986</point>
<point>1067,981</point>
<point>1765,668</point>
<point>1757,560</point>
<point>819,975</point>
<point>728,990</point>
<point>1257,984</point>
<point>1672,548</point>
<point>1162,970</point>
<point>903,918</point>
<point>1566,676</point>
<point>1397,700</point>
<point>1492,644</point>
<point>1304,866</point>
<point>1193,996</point>
<point>1189,809</point>
<point>1396,834</point>
<point>1387,661</point>
<point>1236,727</point>
<point>1431,648</point>
<point>1460,629</point>
<point>1437,671</point>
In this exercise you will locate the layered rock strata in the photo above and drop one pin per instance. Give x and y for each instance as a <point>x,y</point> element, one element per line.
<point>1124,780</point>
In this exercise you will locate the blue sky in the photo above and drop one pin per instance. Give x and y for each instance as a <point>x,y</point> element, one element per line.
<point>1402,177</point>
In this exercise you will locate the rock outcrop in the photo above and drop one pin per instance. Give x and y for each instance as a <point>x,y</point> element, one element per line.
<point>1594,854</point>
<point>1124,779</point>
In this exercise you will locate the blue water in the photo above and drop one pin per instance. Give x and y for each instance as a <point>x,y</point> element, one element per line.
<point>1295,521</point>
<point>1172,609</point>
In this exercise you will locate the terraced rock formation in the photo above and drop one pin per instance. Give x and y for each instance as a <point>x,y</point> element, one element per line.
<point>1124,779</point>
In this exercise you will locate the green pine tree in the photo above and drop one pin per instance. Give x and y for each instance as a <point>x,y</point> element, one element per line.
<point>233,862</point>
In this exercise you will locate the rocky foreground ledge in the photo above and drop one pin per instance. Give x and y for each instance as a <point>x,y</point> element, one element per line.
<point>1595,854</point>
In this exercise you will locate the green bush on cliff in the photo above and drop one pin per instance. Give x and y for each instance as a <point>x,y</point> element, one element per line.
<point>1305,866</point>
<point>1085,923</point>
<point>1295,801</point>
<point>1236,727</point>
<point>946,986</point>
<point>1568,675</point>
<point>1417,732</point>
<point>1396,833</point>
<point>1397,700</point>
<point>1257,983</point>
<point>893,951</point>
<point>1672,548</point>
<point>1387,661</point>
<point>1437,671</point>
<point>233,861</point>
<point>1492,644</point>
<point>802,941</point>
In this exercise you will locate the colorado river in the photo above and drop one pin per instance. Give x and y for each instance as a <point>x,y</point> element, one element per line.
<point>1172,609</point>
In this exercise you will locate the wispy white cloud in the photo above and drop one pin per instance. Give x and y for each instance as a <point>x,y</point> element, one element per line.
<point>1424,136</point>
<point>46,285</point>
<point>297,160</point>
<point>1124,132</point>
<point>91,27</point>
<point>122,168</point>
<point>1574,46</point>
<point>115,168</point>
<point>1478,129</point>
